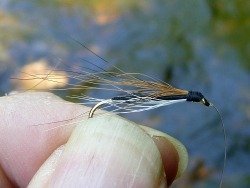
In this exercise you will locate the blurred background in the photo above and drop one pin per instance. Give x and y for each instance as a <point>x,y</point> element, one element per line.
<point>195,45</point>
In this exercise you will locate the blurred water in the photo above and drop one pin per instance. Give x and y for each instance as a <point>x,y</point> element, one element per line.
<point>196,45</point>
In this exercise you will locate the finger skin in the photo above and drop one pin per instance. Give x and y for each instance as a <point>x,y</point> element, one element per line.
<point>118,147</point>
<point>163,148</point>
<point>24,148</point>
<point>108,151</point>
<point>4,181</point>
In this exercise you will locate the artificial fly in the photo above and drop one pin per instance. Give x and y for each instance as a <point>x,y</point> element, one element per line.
<point>138,94</point>
<point>164,95</point>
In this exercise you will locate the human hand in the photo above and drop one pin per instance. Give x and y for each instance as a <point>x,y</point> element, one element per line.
<point>103,151</point>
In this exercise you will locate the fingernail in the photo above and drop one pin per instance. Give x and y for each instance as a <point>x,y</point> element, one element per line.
<point>179,147</point>
<point>107,151</point>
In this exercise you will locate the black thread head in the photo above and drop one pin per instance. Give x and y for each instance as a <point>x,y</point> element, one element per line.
<point>196,96</point>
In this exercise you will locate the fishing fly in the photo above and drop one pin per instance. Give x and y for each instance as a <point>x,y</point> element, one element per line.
<point>134,92</point>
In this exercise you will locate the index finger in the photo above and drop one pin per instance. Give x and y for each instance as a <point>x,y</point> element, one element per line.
<point>24,142</point>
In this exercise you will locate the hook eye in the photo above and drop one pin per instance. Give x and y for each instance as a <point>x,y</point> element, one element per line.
<point>205,102</point>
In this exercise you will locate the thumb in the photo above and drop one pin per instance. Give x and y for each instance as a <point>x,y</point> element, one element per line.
<point>105,151</point>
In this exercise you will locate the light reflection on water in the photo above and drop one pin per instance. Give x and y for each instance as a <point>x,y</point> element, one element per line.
<point>192,45</point>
